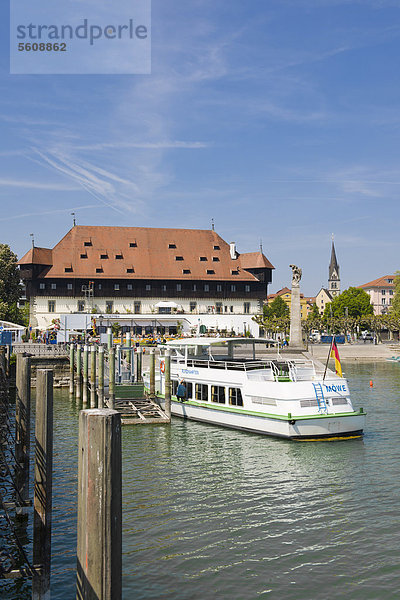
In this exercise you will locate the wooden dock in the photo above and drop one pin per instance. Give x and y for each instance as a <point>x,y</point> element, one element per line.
<point>140,411</point>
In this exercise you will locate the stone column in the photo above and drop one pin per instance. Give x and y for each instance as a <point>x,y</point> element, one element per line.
<point>296,337</point>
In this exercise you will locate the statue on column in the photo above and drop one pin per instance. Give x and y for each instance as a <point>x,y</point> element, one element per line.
<point>296,275</point>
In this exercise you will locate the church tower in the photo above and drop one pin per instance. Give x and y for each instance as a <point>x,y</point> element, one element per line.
<point>334,277</point>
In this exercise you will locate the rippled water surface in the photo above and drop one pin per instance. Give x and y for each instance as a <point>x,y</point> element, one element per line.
<point>215,513</point>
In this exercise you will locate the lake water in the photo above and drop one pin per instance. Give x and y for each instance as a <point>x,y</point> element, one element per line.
<point>215,513</point>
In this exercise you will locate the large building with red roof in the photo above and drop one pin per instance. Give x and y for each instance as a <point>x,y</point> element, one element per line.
<point>381,292</point>
<point>138,272</point>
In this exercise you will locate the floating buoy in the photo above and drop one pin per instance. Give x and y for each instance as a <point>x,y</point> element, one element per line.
<point>371,383</point>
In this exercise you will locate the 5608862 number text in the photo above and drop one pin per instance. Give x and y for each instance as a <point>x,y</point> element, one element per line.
<point>42,47</point>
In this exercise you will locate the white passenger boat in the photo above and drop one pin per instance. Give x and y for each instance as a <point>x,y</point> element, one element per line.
<point>244,384</point>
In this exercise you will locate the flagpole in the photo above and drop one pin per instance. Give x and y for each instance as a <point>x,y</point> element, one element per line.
<point>329,353</point>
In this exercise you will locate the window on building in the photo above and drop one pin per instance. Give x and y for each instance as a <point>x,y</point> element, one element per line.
<point>231,309</point>
<point>99,269</point>
<point>99,286</point>
<point>171,245</point>
<point>132,245</point>
<point>68,270</point>
<point>383,292</point>
<point>69,286</point>
<point>383,300</point>
<point>130,270</point>
<point>137,307</point>
<point>210,272</point>
<point>53,286</point>
<point>178,257</point>
<point>218,394</point>
<point>119,257</point>
<point>218,307</point>
<point>203,258</point>
<point>109,306</point>
<point>42,286</point>
<point>215,259</point>
<point>235,272</point>
<point>390,300</point>
<point>116,286</point>
<point>235,397</point>
<point>246,308</point>
<point>88,243</point>
<point>104,256</point>
<point>81,305</point>
<point>206,287</point>
<point>333,285</point>
<point>390,292</point>
<point>390,280</point>
<point>52,306</point>
<point>129,287</point>
<point>246,288</point>
<point>192,306</point>
<point>186,271</point>
<point>178,287</point>
<point>84,255</point>
<point>201,392</point>
<point>148,287</point>
<point>194,287</point>
<point>163,287</point>
<point>233,288</point>
<point>216,248</point>
<point>219,287</point>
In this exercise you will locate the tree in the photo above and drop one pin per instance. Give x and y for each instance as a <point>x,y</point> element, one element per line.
<point>278,308</point>
<point>353,302</point>
<point>10,287</point>
<point>396,297</point>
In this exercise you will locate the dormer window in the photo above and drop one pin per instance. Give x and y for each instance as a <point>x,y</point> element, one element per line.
<point>99,269</point>
<point>178,257</point>
<point>68,270</point>
<point>186,271</point>
<point>103,256</point>
<point>84,255</point>
<point>203,258</point>
<point>217,248</point>
<point>132,245</point>
<point>171,245</point>
<point>235,272</point>
<point>215,259</point>
<point>119,257</point>
<point>88,243</point>
<point>210,272</point>
<point>130,270</point>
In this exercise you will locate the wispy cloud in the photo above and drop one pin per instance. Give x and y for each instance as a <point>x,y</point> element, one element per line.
<point>37,185</point>
<point>160,145</point>
<point>47,212</point>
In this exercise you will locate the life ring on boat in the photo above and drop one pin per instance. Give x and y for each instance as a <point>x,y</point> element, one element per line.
<point>162,366</point>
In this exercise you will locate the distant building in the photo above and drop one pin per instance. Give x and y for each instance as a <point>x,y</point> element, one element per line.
<point>381,292</point>
<point>285,293</point>
<point>334,277</point>
<point>322,299</point>
<point>149,280</point>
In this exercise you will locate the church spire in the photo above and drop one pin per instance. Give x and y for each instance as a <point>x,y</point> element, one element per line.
<point>334,277</point>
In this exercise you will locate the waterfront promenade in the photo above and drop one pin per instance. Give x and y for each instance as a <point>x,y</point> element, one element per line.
<point>361,352</point>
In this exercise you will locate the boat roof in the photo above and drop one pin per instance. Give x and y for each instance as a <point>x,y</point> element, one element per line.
<point>213,341</point>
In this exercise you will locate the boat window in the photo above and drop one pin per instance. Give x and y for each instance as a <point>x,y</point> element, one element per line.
<point>174,386</point>
<point>235,397</point>
<point>218,394</point>
<point>201,392</point>
<point>189,390</point>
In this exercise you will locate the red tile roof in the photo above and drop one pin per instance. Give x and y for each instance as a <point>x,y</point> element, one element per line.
<point>149,252</point>
<point>380,282</point>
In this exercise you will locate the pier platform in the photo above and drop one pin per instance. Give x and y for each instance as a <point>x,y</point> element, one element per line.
<point>136,408</point>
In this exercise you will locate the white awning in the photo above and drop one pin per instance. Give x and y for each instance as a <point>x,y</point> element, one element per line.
<point>166,304</point>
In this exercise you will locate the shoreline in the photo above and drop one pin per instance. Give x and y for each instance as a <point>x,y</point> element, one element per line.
<point>361,352</point>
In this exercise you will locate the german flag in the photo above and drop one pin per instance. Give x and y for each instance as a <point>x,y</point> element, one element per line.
<point>335,355</point>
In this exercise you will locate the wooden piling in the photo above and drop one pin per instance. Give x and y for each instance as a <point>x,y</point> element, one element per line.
<point>78,372</point>
<point>8,359</point>
<point>43,485</point>
<point>93,402</point>
<point>152,373</point>
<point>71,369</point>
<point>3,361</point>
<point>99,549</point>
<point>128,346</point>
<point>100,389</point>
<point>23,431</point>
<point>139,354</point>
<point>85,374</point>
<point>109,338</point>
<point>111,378</point>
<point>167,362</point>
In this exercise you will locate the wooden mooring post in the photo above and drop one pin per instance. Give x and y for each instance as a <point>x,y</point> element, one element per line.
<point>139,354</point>
<point>43,485</point>
<point>167,362</point>
<point>22,432</point>
<point>99,550</point>
<point>111,378</point>
<point>78,372</point>
<point>100,389</point>
<point>85,375</point>
<point>2,361</point>
<point>152,373</point>
<point>71,369</point>
<point>93,377</point>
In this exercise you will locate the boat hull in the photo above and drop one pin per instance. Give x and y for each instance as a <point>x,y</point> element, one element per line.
<point>329,426</point>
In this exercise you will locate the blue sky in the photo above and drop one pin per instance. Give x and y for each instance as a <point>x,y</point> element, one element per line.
<point>279,119</point>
